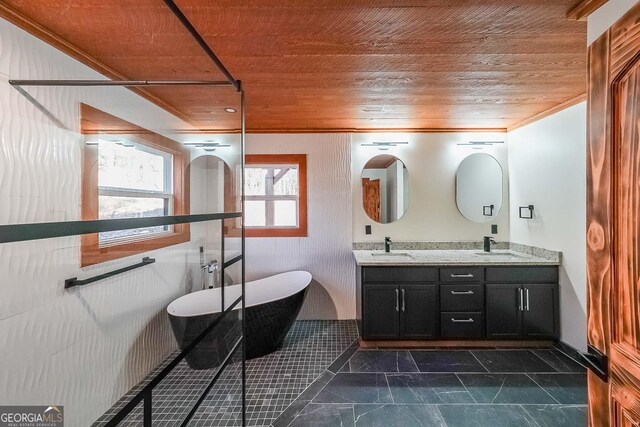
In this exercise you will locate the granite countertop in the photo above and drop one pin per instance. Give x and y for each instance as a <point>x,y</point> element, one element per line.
<point>451,257</point>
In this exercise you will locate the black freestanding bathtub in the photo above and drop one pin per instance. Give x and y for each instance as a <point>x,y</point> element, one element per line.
<point>272,305</point>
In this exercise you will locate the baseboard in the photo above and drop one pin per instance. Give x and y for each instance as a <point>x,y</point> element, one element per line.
<point>455,344</point>
<point>570,351</point>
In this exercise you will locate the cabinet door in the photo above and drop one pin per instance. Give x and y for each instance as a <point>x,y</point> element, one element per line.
<point>419,311</point>
<point>502,311</point>
<point>380,312</point>
<point>540,311</point>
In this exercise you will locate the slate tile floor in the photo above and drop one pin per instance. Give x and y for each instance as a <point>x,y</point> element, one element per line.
<point>273,381</point>
<point>454,388</point>
<point>321,378</point>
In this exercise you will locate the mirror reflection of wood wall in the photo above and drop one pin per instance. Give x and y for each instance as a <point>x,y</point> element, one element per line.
<point>371,198</point>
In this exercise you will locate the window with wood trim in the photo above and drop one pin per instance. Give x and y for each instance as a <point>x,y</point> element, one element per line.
<point>276,195</point>
<point>130,172</point>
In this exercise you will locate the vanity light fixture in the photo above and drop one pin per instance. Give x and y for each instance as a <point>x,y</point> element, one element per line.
<point>124,143</point>
<point>480,144</point>
<point>384,145</point>
<point>207,145</point>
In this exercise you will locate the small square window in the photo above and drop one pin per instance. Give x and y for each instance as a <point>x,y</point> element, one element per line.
<point>275,195</point>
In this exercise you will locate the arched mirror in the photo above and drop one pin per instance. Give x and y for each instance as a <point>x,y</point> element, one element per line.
<point>385,188</point>
<point>479,187</point>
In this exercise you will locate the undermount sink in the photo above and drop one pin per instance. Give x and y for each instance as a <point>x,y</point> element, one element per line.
<point>392,255</point>
<point>504,253</point>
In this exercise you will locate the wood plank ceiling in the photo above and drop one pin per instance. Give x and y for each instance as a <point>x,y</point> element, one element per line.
<point>335,64</point>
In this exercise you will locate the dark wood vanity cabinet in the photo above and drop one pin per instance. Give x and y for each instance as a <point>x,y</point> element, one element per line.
<point>398,303</point>
<point>526,309</point>
<point>450,303</point>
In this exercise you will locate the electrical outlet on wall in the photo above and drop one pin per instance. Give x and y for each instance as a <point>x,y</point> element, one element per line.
<point>494,228</point>
<point>367,229</point>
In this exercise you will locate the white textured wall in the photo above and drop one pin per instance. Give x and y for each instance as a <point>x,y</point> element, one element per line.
<point>547,160</point>
<point>326,252</point>
<point>86,347</point>
<point>432,160</point>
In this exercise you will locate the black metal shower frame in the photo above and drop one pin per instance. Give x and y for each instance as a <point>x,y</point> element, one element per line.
<point>25,232</point>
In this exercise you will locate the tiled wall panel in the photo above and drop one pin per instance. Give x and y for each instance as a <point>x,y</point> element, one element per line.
<point>326,252</point>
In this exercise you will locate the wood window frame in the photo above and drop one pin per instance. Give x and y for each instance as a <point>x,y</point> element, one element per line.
<point>301,160</point>
<point>90,250</point>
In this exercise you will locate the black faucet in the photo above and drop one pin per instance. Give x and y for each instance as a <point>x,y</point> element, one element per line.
<point>488,241</point>
<point>387,244</point>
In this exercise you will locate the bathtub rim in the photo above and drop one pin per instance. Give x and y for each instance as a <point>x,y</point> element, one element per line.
<point>195,303</point>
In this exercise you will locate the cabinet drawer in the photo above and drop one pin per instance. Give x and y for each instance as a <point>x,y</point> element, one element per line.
<point>523,274</point>
<point>461,325</point>
<point>399,274</point>
<point>465,297</point>
<point>461,274</point>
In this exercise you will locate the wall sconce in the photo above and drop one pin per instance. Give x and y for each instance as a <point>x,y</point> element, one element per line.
<point>487,210</point>
<point>526,215</point>
<point>122,142</point>
<point>479,145</point>
<point>206,146</point>
<point>383,146</point>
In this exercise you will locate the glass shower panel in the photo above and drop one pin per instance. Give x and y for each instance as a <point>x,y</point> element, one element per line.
<point>111,210</point>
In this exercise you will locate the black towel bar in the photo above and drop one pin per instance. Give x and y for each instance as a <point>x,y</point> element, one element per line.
<point>70,283</point>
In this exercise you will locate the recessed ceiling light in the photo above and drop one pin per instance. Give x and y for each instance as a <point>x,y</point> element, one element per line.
<point>230,110</point>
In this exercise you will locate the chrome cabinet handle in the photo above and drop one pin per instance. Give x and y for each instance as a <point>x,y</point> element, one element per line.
<point>461,275</point>
<point>397,301</point>
<point>461,292</point>
<point>403,302</point>
<point>521,308</point>
<point>462,320</point>
<point>527,303</point>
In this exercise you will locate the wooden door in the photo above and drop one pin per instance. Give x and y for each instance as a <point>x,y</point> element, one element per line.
<point>371,198</point>
<point>613,222</point>
<point>418,311</point>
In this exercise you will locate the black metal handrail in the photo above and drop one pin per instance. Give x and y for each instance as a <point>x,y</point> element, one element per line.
<point>145,393</point>
<point>221,369</point>
<point>70,283</point>
<point>46,230</point>
<point>232,261</point>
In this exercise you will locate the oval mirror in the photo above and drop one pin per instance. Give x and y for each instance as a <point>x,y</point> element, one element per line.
<point>479,187</point>
<point>385,188</point>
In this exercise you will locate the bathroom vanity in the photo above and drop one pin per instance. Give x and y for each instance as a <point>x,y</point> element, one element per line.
<point>452,295</point>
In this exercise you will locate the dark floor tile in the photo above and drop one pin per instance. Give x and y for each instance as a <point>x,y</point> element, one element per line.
<point>325,416</point>
<point>558,415</point>
<point>316,386</point>
<point>355,388</point>
<point>398,415</point>
<point>559,361</point>
<point>344,357</point>
<point>512,361</point>
<point>289,414</point>
<point>382,361</point>
<point>446,361</point>
<point>504,388</point>
<point>427,388</point>
<point>485,415</point>
<point>565,388</point>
